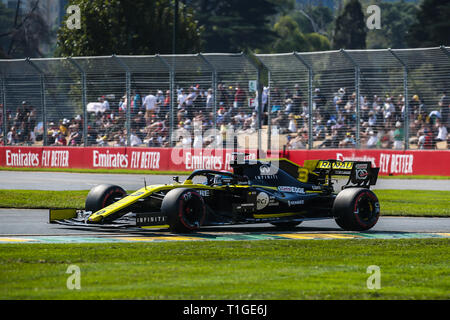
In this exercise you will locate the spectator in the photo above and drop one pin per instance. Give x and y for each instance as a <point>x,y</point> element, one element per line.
<point>444,104</point>
<point>209,100</point>
<point>442,132</point>
<point>399,136</point>
<point>60,139</point>
<point>292,127</point>
<point>389,112</point>
<point>297,100</point>
<point>319,131</point>
<point>348,142</point>
<point>166,103</point>
<point>12,137</point>
<point>134,139</point>
<point>151,106</point>
<point>319,100</point>
<point>299,141</point>
<point>136,105</point>
<point>279,120</point>
<point>372,142</point>
<point>288,106</point>
<point>265,99</point>
<point>426,139</point>
<point>239,97</point>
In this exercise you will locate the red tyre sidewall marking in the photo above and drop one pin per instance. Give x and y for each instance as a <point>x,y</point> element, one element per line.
<point>180,211</point>
<point>361,223</point>
<point>109,195</point>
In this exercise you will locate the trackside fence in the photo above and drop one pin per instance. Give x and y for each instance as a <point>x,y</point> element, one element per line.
<point>357,99</point>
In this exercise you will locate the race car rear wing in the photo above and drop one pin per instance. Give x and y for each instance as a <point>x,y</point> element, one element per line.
<point>360,173</point>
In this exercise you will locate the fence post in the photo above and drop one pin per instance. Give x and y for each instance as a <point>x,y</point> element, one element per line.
<point>214,80</point>
<point>128,94</point>
<point>83,99</point>
<point>5,122</point>
<point>259,89</point>
<point>310,99</point>
<point>173,97</point>
<point>405,94</point>
<point>269,117</point>
<point>444,49</point>
<point>358,107</point>
<point>43,100</point>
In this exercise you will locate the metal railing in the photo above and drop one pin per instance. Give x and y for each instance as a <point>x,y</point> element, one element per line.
<point>389,99</point>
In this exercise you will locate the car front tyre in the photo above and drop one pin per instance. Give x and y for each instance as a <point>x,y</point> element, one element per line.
<point>102,196</point>
<point>185,210</point>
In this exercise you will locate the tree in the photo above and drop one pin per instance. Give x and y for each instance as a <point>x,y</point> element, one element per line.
<point>22,35</point>
<point>6,21</point>
<point>314,19</point>
<point>432,26</point>
<point>290,38</point>
<point>236,25</point>
<point>350,29</point>
<point>128,27</point>
<point>396,19</point>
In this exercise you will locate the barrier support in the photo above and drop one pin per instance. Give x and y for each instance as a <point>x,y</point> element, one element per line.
<point>83,98</point>
<point>310,99</point>
<point>259,89</point>
<point>43,100</point>
<point>4,124</point>
<point>173,98</point>
<point>358,100</point>
<point>405,94</point>
<point>128,94</point>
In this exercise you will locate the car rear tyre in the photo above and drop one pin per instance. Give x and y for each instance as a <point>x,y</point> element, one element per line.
<point>356,209</point>
<point>185,210</point>
<point>102,196</point>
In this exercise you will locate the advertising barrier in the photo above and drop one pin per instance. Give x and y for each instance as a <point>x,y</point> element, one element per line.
<point>391,162</point>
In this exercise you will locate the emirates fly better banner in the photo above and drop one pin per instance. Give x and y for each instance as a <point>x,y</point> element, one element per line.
<point>411,162</point>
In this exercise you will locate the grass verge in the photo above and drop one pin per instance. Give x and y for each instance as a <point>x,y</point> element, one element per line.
<point>279,269</point>
<point>393,202</point>
<point>414,203</point>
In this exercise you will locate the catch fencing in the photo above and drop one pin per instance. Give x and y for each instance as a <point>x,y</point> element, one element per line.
<point>361,99</point>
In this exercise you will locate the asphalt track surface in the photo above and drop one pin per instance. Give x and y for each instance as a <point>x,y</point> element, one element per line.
<point>85,181</point>
<point>21,223</point>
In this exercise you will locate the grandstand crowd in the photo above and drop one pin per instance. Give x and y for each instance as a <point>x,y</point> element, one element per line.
<point>334,119</point>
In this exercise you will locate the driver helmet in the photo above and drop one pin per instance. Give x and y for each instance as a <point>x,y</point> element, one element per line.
<point>218,179</point>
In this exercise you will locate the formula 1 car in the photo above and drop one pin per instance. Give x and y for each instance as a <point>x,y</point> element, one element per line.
<point>278,191</point>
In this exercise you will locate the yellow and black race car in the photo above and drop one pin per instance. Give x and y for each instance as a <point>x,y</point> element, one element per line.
<point>277,191</point>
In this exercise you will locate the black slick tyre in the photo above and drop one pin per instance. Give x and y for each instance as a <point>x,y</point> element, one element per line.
<point>356,209</point>
<point>185,210</point>
<point>102,196</point>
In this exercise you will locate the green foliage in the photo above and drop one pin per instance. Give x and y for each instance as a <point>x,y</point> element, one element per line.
<point>314,19</point>
<point>318,42</point>
<point>236,25</point>
<point>350,28</point>
<point>6,21</point>
<point>290,38</point>
<point>396,19</point>
<point>432,26</point>
<point>128,27</point>
<point>22,35</point>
